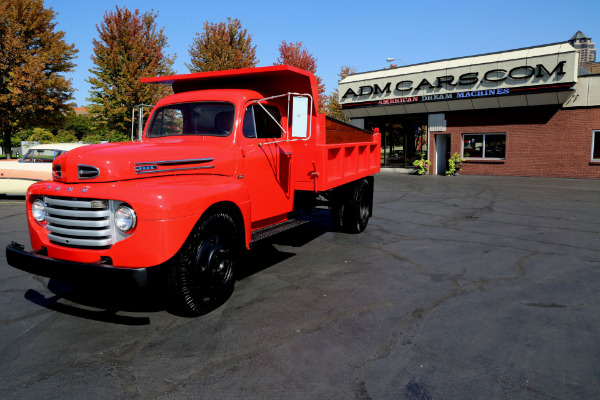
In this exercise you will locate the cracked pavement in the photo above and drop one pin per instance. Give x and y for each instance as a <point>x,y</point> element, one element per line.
<point>464,287</point>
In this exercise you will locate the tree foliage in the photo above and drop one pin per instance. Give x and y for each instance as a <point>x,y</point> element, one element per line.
<point>129,47</point>
<point>296,55</point>
<point>73,128</point>
<point>78,125</point>
<point>222,46</point>
<point>41,135</point>
<point>105,135</point>
<point>33,58</point>
<point>65,136</point>
<point>333,107</point>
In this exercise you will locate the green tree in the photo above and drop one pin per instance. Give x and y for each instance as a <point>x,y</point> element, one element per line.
<point>296,55</point>
<point>33,60</point>
<point>41,135</point>
<point>105,134</point>
<point>92,138</point>
<point>111,135</point>
<point>333,107</point>
<point>222,46</point>
<point>79,125</point>
<point>65,136</point>
<point>20,136</point>
<point>130,47</point>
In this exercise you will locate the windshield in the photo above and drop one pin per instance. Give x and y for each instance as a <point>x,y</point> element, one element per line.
<point>42,155</point>
<point>211,119</point>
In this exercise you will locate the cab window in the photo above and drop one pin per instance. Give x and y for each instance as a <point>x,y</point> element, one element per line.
<point>260,125</point>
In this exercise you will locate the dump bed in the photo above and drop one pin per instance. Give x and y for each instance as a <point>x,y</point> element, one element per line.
<point>347,154</point>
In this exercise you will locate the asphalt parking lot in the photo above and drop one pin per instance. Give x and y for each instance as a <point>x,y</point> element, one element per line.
<point>461,287</point>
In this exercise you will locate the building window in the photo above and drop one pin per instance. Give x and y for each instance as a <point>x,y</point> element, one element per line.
<point>596,146</point>
<point>484,145</point>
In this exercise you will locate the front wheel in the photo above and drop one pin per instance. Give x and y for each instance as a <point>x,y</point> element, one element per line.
<point>202,274</point>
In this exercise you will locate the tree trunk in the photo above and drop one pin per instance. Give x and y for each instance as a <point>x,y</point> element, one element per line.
<point>6,146</point>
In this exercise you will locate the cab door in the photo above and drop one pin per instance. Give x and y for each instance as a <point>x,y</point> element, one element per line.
<point>267,163</point>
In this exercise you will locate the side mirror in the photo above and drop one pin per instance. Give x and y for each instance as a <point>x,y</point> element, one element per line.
<point>300,117</point>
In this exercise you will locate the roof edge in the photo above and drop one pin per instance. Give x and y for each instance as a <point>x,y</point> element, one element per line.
<point>229,73</point>
<point>459,58</point>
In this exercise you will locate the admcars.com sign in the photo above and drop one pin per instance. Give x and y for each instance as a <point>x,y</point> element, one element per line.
<point>527,71</point>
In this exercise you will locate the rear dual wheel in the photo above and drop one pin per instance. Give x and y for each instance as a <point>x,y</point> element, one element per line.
<point>351,208</point>
<point>202,274</point>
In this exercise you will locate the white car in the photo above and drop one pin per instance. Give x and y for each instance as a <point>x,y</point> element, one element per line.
<point>35,165</point>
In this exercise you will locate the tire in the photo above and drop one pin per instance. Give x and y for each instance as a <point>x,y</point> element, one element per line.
<point>202,274</point>
<point>358,210</point>
<point>337,216</point>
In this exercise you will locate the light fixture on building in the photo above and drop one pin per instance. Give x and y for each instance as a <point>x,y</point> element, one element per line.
<point>389,59</point>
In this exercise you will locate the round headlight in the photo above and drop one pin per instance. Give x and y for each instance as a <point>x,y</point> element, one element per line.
<point>125,218</point>
<point>38,210</point>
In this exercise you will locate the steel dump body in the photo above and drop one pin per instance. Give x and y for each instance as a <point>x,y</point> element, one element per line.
<point>150,197</point>
<point>347,154</point>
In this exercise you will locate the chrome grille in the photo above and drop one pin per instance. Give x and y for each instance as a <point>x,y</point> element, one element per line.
<point>83,223</point>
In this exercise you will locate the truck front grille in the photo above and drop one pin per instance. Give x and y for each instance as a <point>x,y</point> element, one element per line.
<point>80,223</point>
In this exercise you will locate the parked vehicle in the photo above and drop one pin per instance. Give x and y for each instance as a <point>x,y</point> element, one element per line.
<point>229,159</point>
<point>34,166</point>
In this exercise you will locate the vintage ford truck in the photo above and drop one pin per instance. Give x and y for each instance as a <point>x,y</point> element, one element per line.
<point>230,158</point>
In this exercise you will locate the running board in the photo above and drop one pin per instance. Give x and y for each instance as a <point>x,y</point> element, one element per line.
<point>268,231</point>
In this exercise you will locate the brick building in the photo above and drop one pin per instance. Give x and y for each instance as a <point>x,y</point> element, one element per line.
<point>80,110</point>
<point>524,112</point>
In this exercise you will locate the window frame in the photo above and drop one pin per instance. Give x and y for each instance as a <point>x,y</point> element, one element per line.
<point>269,109</point>
<point>39,155</point>
<point>159,113</point>
<point>483,157</point>
<point>594,144</point>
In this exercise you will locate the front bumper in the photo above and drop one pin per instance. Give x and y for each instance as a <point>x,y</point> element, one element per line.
<point>36,262</point>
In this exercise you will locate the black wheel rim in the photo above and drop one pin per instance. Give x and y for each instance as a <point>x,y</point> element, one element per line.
<point>214,264</point>
<point>363,207</point>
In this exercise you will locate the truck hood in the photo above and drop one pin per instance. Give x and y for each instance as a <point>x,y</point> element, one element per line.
<point>134,160</point>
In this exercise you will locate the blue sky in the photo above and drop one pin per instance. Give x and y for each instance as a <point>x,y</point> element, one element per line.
<point>355,33</point>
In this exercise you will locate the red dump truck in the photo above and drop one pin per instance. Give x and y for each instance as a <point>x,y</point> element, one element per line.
<point>229,159</point>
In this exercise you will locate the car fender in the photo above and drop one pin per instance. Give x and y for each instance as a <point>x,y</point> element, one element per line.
<point>167,209</point>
